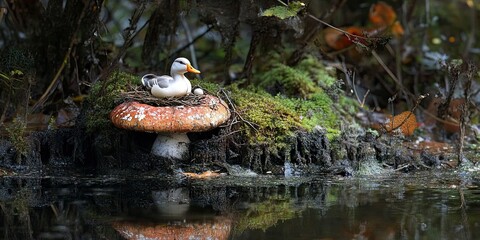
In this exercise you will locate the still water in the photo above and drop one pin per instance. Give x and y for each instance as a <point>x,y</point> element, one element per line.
<point>422,206</point>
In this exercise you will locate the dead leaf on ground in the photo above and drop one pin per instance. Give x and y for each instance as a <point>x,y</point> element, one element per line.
<point>204,175</point>
<point>405,121</point>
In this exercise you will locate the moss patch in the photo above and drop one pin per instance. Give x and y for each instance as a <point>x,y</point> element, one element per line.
<point>102,101</point>
<point>276,118</point>
<point>300,103</point>
<point>308,77</point>
<point>317,72</point>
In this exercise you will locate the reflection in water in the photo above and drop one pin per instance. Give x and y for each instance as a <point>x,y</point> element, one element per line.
<point>239,208</point>
<point>214,229</point>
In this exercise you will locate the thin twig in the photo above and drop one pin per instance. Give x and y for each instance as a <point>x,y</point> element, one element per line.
<point>129,35</point>
<point>385,67</point>
<point>188,44</point>
<point>232,106</point>
<point>402,167</point>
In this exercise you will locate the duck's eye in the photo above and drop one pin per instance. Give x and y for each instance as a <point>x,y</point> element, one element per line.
<point>178,61</point>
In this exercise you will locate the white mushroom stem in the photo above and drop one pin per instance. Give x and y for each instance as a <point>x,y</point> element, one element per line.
<point>171,145</point>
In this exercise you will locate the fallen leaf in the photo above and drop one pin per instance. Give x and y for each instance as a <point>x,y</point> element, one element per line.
<point>381,14</point>
<point>204,175</point>
<point>397,29</point>
<point>405,121</point>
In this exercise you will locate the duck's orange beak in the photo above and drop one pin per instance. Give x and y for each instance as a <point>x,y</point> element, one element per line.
<point>192,69</point>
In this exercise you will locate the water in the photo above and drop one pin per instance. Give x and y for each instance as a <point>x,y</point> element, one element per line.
<point>422,206</point>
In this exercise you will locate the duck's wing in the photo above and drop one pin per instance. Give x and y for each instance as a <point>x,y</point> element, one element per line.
<point>150,80</point>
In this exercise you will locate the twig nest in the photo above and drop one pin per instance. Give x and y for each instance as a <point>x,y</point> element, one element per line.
<point>209,114</point>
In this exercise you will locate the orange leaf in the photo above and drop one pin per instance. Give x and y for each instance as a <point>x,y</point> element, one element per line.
<point>382,14</point>
<point>397,29</point>
<point>204,175</point>
<point>338,40</point>
<point>406,121</point>
<point>383,17</point>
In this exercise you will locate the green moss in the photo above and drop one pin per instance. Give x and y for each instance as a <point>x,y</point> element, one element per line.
<point>308,77</point>
<point>209,87</point>
<point>288,81</point>
<point>103,98</point>
<point>349,106</point>
<point>272,117</point>
<point>317,72</point>
<point>300,102</point>
<point>276,118</point>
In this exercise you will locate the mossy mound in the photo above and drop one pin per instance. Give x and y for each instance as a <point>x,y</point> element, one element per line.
<point>103,98</point>
<point>266,130</point>
<point>287,125</point>
<point>274,119</point>
<point>304,80</point>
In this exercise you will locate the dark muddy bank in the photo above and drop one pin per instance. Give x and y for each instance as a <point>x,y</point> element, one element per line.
<point>128,153</point>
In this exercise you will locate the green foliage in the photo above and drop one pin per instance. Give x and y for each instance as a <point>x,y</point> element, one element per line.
<point>16,134</point>
<point>102,101</point>
<point>284,12</point>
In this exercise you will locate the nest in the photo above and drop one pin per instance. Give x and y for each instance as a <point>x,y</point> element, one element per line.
<point>142,95</point>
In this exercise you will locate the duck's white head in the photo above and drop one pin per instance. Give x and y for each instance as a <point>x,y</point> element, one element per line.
<point>182,65</point>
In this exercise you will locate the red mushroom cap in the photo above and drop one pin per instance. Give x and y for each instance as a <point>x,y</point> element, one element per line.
<point>171,119</point>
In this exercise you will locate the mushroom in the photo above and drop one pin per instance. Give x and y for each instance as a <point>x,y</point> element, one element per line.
<point>171,122</point>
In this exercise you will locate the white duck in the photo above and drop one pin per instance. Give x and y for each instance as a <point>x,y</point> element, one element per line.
<point>175,85</point>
